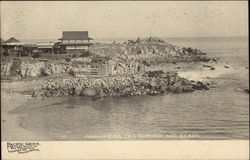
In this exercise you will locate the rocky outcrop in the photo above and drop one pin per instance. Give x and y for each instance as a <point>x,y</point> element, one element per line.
<point>19,68</point>
<point>149,83</point>
<point>150,51</point>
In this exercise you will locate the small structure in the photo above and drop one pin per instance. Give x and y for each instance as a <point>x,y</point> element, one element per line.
<point>13,42</point>
<point>28,49</point>
<point>13,46</point>
<point>45,47</point>
<point>75,42</point>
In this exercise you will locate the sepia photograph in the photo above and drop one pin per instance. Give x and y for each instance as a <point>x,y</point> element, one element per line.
<point>123,71</point>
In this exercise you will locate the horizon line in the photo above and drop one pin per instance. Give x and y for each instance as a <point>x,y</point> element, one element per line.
<point>149,36</point>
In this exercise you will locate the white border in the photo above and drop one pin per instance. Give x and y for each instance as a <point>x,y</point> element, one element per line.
<point>68,150</point>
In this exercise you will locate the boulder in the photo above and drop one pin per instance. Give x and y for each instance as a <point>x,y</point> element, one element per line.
<point>89,92</point>
<point>78,90</point>
<point>172,89</point>
<point>212,68</point>
<point>179,89</point>
<point>188,89</point>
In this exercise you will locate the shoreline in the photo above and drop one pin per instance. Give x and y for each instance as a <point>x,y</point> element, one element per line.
<point>12,90</point>
<point>12,130</point>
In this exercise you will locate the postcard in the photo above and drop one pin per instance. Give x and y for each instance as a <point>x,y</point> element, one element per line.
<point>124,80</point>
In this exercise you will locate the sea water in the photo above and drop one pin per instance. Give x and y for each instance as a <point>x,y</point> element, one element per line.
<point>221,113</point>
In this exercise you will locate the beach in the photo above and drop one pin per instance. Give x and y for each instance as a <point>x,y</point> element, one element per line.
<point>12,98</point>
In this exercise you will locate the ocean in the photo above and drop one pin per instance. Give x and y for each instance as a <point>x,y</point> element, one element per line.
<point>221,113</point>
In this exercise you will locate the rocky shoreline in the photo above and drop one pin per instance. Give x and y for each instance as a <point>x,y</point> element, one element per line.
<point>111,77</point>
<point>148,83</point>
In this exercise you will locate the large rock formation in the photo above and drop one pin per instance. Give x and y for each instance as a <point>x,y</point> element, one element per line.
<point>149,51</point>
<point>149,83</point>
<point>19,68</point>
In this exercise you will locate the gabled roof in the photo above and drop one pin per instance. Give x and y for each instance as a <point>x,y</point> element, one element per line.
<point>75,35</point>
<point>12,40</point>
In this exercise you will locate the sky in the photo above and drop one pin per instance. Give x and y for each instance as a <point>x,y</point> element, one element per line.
<point>123,19</point>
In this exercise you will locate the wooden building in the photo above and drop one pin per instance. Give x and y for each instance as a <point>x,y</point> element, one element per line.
<point>75,42</point>
<point>13,46</point>
<point>45,47</point>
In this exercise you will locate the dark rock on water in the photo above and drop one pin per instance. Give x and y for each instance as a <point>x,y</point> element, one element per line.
<point>212,68</point>
<point>206,66</point>
<point>200,86</point>
<point>188,89</point>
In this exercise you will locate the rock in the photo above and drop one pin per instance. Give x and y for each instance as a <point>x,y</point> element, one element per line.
<point>226,66</point>
<point>187,89</point>
<point>78,90</point>
<point>200,86</point>
<point>172,89</point>
<point>163,89</point>
<point>206,66</point>
<point>212,68</point>
<point>179,89</point>
<point>150,83</point>
<point>205,87</point>
<point>34,94</point>
<point>89,92</point>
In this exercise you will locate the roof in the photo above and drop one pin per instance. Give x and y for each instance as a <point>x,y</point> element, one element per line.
<point>30,45</point>
<point>75,44</point>
<point>75,35</point>
<point>14,44</point>
<point>45,44</point>
<point>12,40</point>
